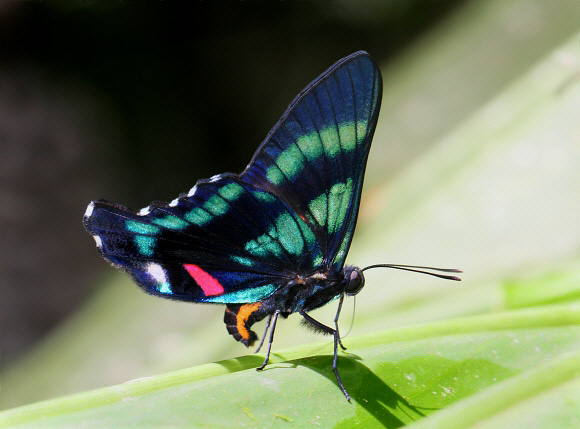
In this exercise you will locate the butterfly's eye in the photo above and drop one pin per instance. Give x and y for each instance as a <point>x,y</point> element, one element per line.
<point>356,281</point>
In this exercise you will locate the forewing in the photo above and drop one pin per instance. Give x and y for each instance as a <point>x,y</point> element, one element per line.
<point>226,241</point>
<point>314,158</point>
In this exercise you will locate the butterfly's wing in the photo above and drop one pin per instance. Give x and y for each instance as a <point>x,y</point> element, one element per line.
<point>315,157</point>
<point>236,239</point>
<point>226,241</point>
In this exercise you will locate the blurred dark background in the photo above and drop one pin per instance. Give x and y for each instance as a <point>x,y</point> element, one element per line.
<point>136,101</point>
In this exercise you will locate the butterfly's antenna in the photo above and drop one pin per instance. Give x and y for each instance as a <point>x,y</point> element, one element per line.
<point>418,269</point>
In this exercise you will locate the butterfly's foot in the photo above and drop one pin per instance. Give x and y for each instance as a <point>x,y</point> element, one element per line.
<point>261,367</point>
<point>339,382</point>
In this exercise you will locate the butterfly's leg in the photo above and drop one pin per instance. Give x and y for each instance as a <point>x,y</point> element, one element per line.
<point>336,321</point>
<point>326,329</point>
<point>272,329</point>
<point>265,332</point>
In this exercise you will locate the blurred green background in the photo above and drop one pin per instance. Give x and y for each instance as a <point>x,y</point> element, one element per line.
<point>134,102</point>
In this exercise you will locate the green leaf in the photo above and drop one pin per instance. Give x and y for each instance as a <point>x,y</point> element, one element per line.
<point>395,377</point>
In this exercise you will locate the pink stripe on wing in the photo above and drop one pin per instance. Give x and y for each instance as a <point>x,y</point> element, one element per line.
<point>209,285</point>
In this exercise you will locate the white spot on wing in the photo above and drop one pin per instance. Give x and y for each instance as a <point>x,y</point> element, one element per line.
<point>174,202</point>
<point>144,211</point>
<point>192,191</point>
<point>215,178</point>
<point>157,272</point>
<point>98,241</point>
<point>90,209</point>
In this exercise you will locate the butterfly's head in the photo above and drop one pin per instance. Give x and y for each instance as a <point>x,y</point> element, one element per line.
<point>355,280</point>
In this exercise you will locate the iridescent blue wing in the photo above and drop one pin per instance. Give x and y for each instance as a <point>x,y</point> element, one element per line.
<point>226,241</point>
<point>238,238</point>
<point>314,158</point>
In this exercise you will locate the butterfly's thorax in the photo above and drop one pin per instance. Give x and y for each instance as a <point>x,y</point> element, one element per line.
<point>308,292</point>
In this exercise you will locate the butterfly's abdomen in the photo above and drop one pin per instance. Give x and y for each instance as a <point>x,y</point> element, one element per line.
<point>239,319</point>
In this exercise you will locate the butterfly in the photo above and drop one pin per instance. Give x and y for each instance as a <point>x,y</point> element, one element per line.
<point>272,240</point>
